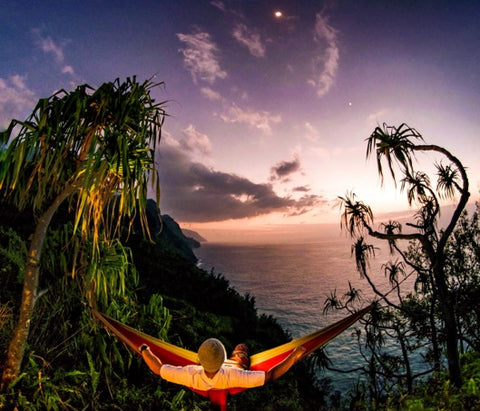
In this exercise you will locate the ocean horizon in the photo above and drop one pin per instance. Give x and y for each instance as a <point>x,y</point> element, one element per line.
<point>291,282</point>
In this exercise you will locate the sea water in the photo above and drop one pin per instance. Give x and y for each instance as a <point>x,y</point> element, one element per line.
<point>291,283</point>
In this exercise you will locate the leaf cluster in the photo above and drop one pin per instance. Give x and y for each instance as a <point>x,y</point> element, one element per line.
<point>430,311</point>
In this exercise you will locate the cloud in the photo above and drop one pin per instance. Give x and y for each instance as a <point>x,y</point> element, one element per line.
<point>219,5</point>
<point>263,120</point>
<point>68,70</point>
<point>326,63</point>
<point>192,192</point>
<point>377,118</point>
<point>200,57</point>
<point>211,94</point>
<point>49,46</point>
<point>196,141</point>
<point>15,99</point>
<point>250,39</point>
<point>284,169</point>
<point>312,133</point>
<point>301,189</point>
<point>307,202</point>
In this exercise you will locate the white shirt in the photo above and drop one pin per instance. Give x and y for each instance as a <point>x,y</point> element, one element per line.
<point>193,376</point>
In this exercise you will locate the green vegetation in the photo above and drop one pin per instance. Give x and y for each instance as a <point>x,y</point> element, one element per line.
<point>93,148</point>
<point>438,392</point>
<point>72,363</point>
<point>430,315</point>
<point>432,394</point>
<point>74,234</point>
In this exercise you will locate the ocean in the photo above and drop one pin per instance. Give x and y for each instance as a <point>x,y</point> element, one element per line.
<point>291,283</point>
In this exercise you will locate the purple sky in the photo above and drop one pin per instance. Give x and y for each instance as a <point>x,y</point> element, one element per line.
<point>268,115</point>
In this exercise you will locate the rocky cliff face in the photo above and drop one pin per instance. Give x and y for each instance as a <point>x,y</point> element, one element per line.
<point>165,229</point>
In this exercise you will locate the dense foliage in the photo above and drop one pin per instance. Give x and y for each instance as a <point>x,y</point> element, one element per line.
<point>73,363</point>
<point>92,148</point>
<point>426,311</point>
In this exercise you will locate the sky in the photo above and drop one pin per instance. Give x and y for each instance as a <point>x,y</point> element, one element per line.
<point>269,102</point>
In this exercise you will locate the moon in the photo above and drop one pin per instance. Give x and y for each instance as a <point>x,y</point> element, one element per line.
<point>278,14</point>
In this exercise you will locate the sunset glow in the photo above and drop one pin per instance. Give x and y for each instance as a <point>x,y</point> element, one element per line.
<point>267,119</point>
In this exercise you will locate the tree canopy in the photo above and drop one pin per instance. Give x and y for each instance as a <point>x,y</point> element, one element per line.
<point>428,316</point>
<point>94,148</point>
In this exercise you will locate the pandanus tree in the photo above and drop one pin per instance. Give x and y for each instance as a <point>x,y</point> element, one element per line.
<point>397,147</point>
<point>91,147</point>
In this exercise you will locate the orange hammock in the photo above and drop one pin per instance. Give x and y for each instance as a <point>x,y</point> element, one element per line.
<point>265,360</point>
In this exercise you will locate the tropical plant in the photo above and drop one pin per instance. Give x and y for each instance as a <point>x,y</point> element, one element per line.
<point>397,146</point>
<point>72,363</point>
<point>463,270</point>
<point>94,148</point>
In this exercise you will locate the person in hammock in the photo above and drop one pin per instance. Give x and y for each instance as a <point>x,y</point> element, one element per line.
<point>216,371</point>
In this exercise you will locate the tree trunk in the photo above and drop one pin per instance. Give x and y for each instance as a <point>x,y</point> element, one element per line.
<point>433,326</point>
<point>406,361</point>
<point>448,313</point>
<point>452,347</point>
<point>16,348</point>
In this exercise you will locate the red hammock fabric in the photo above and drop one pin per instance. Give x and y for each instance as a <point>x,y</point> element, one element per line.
<point>265,360</point>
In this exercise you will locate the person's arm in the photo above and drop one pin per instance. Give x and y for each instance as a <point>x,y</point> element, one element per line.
<point>281,368</point>
<point>150,359</point>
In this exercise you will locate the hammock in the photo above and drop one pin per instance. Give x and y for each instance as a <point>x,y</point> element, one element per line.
<point>263,361</point>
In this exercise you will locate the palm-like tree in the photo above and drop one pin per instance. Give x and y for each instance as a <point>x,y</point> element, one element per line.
<point>447,183</point>
<point>392,144</point>
<point>91,147</point>
<point>397,146</point>
<point>356,215</point>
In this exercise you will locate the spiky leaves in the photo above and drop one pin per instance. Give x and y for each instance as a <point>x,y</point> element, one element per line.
<point>356,215</point>
<point>394,144</point>
<point>396,147</point>
<point>100,142</point>
<point>448,180</point>
<point>95,147</point>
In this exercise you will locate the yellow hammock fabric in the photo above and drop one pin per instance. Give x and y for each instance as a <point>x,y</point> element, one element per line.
<point>265,360</point>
